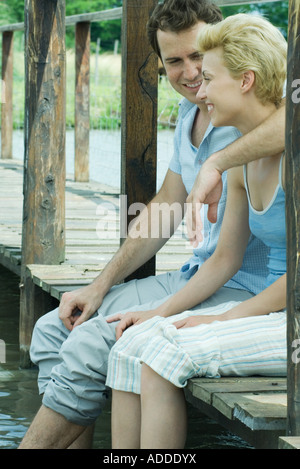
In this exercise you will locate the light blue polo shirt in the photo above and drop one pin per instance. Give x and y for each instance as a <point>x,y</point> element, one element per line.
<point>186,161</point>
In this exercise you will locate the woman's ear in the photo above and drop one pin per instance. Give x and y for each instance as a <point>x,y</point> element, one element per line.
<point>248,80</point>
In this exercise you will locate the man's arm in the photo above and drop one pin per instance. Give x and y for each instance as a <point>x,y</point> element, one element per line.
<point>267,139</point>
<point>133,253</point>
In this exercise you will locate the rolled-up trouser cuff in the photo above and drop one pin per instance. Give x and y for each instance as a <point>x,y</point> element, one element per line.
<point>77,387</point>
<point>77,413</point>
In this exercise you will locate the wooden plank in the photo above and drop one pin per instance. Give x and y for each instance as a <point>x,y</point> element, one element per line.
<point>7,95</point>
<point>205,388</point>
<point>139,114</point>
<point>82,101</point>
<point>98,16</point>
<point>289,442</point>
<point>258,411</point>
<point>293,220</point>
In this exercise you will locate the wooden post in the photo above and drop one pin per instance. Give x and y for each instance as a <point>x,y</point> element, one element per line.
<point>293,220</point>
<point>82,102</point>
<point>43,236</point>
<point>139,112</point>
<point>7,95</point>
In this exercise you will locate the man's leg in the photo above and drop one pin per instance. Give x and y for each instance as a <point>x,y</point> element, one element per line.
<point>85,439</point>
<point>50,430</point>
<point>50,333</point>
<point>76,389</point>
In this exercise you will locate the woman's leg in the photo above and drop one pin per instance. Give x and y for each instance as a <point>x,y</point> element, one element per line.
<point>163,411</point>
<point>125,420</point>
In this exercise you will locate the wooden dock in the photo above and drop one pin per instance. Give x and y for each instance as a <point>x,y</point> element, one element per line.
<point>254,408</point>
<point>92,233</point>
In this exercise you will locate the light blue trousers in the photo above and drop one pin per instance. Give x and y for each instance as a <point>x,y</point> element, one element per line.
<point>73,365</point>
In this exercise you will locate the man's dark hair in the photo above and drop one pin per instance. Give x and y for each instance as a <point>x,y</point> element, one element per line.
<point>179,15</point>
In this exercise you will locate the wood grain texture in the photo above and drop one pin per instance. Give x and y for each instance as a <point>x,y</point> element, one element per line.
<point>293,221</point>
<point>7,95</point>
<point>139,113</point>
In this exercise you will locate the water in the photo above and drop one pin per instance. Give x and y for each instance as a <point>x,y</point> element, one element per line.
<point>19,399</point>
<point>105,154</point>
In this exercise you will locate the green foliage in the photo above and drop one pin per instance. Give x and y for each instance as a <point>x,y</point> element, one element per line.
<point>12,11</point>
<point>107,31</point>
<point>276,12</point>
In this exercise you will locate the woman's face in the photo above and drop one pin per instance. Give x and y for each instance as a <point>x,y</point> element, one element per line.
<point>219,90</point>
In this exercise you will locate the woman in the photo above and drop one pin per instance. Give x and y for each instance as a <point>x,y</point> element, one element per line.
<point>244,69</point>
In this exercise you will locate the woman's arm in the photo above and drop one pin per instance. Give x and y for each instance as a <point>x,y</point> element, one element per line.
<point>217,270</point>
<point>228,256</point>
<point>265,140</point>
<point>270,300</point>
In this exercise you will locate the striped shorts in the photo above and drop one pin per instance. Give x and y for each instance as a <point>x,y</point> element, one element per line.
<point>240,347</point>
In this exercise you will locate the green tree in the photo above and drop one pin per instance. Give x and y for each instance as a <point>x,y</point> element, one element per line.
<point>11,11</point>
<point>276,12</point>
<point>107,31</point>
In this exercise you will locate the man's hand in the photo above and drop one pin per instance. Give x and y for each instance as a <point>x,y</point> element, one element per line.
<point>130,319</point>
<point>207,189</point>
<point>78,306</point>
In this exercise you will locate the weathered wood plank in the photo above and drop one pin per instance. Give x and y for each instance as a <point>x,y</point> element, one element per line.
<point>7,95</point>
<point>44,177</point>
<point>289,442</point>
<point>258,411</point>
<point>293,220</point>
<point>139,114</point>
<point>205,388</point>
<point>238,412</point>
<point>82,101</point>
<point>43,237</point>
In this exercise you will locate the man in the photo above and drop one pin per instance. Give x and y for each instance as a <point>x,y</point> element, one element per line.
<point>73,365</point>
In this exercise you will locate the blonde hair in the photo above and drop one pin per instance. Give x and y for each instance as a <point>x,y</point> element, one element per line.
<point>250,42</point>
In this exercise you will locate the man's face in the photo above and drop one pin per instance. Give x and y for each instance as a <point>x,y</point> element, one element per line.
<point>182,61</point>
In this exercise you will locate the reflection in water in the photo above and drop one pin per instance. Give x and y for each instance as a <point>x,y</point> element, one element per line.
<point>19,399</point>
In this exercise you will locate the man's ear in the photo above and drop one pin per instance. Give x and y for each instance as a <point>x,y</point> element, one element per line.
<point>248,80</point>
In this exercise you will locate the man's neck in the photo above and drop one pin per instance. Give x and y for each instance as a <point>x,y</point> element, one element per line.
<point>200,125</point>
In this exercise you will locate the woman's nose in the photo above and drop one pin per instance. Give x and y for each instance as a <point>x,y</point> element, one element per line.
<point>202,91</point>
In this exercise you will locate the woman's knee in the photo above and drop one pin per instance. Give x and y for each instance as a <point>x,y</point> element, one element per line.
<point>149,380</point>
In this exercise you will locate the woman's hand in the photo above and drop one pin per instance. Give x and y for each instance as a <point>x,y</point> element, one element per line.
<point>192,321</point>
<point>130,319</point>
